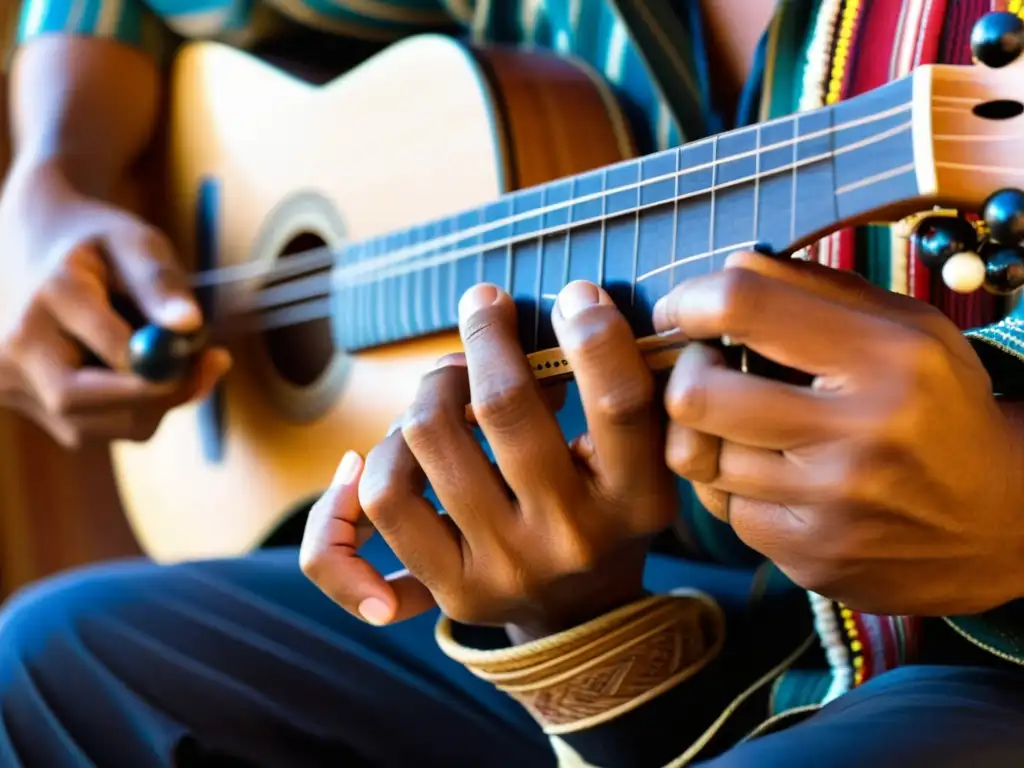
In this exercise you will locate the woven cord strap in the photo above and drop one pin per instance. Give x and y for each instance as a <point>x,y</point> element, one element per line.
<point>597,671</point>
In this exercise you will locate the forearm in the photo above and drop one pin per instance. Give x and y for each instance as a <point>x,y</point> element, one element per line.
<point>85,105</point>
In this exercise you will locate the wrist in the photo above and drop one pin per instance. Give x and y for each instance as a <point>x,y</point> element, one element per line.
<point>582,598</point>
<point>649,647</point>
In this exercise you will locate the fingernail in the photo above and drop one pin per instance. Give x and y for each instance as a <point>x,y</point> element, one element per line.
<point>660,307</point>
<point>348,469</point>
<point>576,297</point>
<point>476,298</point>
<point>375,611</point>
<point>180,314</point>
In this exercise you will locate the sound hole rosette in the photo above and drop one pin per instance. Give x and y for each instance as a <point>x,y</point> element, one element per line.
<point>295,219</point>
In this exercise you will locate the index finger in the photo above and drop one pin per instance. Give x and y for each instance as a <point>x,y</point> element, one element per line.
<point>782,322</point>
<point>145,261</point>
<point>844,287</point>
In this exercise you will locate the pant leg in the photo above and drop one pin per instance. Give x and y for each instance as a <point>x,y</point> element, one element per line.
<point>136,665</point>
<point>927,717</point>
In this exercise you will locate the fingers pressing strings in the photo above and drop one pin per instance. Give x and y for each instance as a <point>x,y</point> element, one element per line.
<point>616,388</point>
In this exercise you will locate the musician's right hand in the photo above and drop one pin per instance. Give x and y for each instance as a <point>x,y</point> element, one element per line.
<point>62,254</point>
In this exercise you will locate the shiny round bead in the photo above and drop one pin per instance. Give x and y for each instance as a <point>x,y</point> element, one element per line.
<point>997,38</point>
<point>940,237</point>
<point>964,272</point>
<point>1004,270</point>
<point>1004,215</point>
<point>158,354</point>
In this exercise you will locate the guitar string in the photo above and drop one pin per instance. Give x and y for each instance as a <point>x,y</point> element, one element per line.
<point>296,263</point>
<point>322,257</point>
<point>317,306</point>
<point>287,293</point>
<point>317,286</point>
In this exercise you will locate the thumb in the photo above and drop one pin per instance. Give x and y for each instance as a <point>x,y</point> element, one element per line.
<point>144,259</point>
<point>328,556</point>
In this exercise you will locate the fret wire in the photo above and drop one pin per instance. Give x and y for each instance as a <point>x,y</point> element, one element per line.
<point>757,178</point>
<point>602,246</point>
<point>406,265</point>
<point>480,241</point>
<point>675,221</point>
<point>792,197</point>
<point>789,142</point>
<point>636,238</point>
<point>417,294</point>
<point>404,316</point>
<point>452,269</point>
<point>349,308</point>
<point>365,309</point>
<point>245,271</point>
<point>508,249</point>
<point>567,254</point>
<point>381,321</point>
<point>540,267</point>
<point>711,216</point>
<point>435,289</point>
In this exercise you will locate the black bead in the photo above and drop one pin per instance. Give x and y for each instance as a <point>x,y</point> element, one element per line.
<point>1004,269</point>
<point>940,237</point>
<point>1004,215</point>
<point>158,354</point>
<point>997,38</point>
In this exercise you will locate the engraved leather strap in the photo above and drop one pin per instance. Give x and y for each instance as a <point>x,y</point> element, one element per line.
<point>595,672</point>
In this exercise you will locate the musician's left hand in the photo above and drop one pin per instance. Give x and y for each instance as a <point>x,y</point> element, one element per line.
<point>551,536</point>
<point>894,484</point>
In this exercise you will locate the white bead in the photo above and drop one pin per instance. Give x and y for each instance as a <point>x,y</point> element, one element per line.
<point>964,272</point>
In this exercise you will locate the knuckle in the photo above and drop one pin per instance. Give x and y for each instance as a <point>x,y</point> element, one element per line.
<point>924,357</point>
<point>424,422</point>
<point>379,497</point>
<point>628,402</point>
<point>739,298</point>
<point>687,397</point>
<point>577,553</point>
<point>690,459</point>
<point>509,581</point>
<point>866,477</point>
<point>504,406</point>
<point>55,398</point>
<point>310,562</point>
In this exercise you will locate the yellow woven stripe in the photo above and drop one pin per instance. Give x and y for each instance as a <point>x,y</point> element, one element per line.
<point>1016,6</point>
<point>841,57</point>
